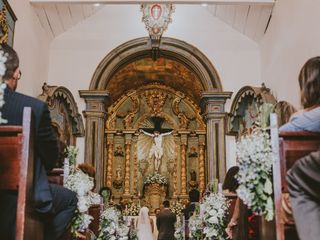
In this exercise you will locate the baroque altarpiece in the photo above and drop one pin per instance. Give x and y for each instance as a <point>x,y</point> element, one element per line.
<point>154,108</point>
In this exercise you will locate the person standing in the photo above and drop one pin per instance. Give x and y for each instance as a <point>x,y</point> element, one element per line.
<point>165,222</point>
<point>144,225</point>
<point>56,203</point>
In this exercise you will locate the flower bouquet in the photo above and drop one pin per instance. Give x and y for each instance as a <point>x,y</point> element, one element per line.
<point>112,226</point>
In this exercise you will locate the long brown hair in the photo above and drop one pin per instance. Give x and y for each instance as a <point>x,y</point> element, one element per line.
<point>309,81</point>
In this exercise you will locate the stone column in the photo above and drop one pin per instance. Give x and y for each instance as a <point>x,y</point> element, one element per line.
<point>212,104</point>
<point>95,114</point>
<point>202,179</point>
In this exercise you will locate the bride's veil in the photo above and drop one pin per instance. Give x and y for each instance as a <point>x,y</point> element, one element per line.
<point>144,225</point>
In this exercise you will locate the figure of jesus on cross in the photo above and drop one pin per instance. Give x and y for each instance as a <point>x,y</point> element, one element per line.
<point>156,151</point>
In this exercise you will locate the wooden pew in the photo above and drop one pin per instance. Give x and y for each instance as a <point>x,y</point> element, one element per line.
<point>287,148</point>
<point>16,173</point>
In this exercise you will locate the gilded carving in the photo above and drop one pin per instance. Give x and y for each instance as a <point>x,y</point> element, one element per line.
<point>129,115</point>
<point>184,119</point>
<point>4,30</point>
<point>119,152</point>
<point>155,99</point>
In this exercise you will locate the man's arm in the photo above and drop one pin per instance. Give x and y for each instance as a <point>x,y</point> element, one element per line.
<point>47,145</point>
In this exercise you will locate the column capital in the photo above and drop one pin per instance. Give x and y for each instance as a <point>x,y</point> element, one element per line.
<point>213,102</point>
<point>95,96</point>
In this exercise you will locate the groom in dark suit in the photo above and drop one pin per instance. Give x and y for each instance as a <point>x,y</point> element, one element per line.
<point>165,222</point>
<point>56,203</point>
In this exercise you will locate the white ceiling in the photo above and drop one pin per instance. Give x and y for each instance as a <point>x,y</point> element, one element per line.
<point>251,20</point>
<point>58,18</point>
<point>248,18</point>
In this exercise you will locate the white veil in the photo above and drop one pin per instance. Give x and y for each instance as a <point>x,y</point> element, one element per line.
<point>144,225</point>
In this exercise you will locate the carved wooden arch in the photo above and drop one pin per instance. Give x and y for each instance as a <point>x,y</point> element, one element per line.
<point>61,102</point>
<point>169,48</point>
<point>259,95</point>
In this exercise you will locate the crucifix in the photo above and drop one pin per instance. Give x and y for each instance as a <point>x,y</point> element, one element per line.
<point>157,133</point>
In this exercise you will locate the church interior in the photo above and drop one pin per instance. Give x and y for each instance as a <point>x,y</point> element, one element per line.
<point>154,100</point>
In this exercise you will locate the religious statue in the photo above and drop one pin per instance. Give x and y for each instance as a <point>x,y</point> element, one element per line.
<point>193,179</point>
<point>117,182</point>
<point>193,152</point>
<point>156,151</point>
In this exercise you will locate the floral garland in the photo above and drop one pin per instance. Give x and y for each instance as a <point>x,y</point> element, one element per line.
<point>3,59</point>
<point>215,210</point>
<point>177,208</point>
<point>255,167</point>
<point>112,226</point>
<point>155,178</point>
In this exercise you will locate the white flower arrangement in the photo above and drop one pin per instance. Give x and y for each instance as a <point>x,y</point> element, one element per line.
<point>179,231</point>
<point>155,178</point>
<point>255,167</point>
<point>112,226</point>
<point>196,226</point>
<point>215,209</point>
<point>132,209</point>
<point>177,208</point>
<point>81,184</point>
<point>3,59</point>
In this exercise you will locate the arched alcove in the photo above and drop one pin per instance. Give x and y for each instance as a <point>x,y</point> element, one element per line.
<point>170,48</point>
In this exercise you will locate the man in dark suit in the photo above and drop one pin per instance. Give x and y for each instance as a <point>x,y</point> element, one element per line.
<point>165,222</point>
<point>194,197</point>
<point>304,188</point>
<point>55,203</point>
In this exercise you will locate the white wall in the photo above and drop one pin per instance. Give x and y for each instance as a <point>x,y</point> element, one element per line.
<point>32,45</point>
<point>292,38</point>
<point>75,54</point>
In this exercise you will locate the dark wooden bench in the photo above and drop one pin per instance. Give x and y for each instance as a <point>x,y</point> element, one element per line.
<point>16,174</point>
<point>287,147</point>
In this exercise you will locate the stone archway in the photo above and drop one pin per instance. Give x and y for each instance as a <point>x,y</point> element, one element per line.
<point>210,97</point>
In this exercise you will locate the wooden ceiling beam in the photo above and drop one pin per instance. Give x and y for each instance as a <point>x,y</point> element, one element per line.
<point>235,2</point>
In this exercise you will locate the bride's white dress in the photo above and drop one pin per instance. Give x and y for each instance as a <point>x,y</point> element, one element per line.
<point>144,225</point>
